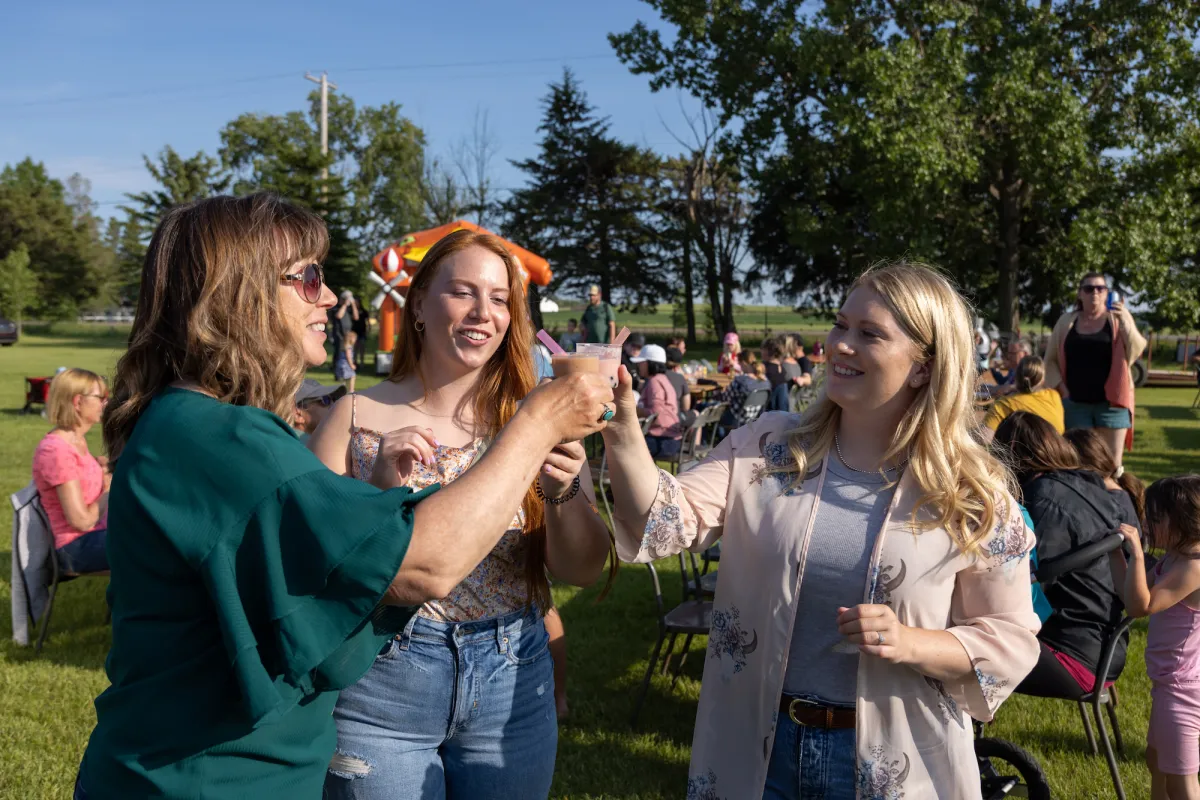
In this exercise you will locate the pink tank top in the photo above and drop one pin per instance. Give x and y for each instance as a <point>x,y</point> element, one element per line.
<point>1173,643</point>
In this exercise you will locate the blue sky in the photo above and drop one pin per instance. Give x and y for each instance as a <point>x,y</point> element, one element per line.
<point>89,89</point>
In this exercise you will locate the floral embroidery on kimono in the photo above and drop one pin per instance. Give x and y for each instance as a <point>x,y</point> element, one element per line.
<point>1007,543</point>
<point>665,533</point>
<point>703,787</point>
<point>777,458</point>
<point>881,778</point>
<point>946,703</point>
<point>727,638</point>
<point>989,684</point>
<point>883,584</point>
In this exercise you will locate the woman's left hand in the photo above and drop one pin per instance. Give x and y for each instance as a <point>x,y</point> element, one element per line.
<point>876,631</point>
<point>561,467</point>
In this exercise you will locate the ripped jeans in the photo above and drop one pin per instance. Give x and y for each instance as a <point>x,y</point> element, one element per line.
<point>463,711</point>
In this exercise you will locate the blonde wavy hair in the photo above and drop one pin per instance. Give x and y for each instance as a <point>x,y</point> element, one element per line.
<point>64,388</point>
<point>961,482</point>
<point>209,311</point>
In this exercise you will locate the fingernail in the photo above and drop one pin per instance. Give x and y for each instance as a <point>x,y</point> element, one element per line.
<point>547,468</point>
<point>436,443</point>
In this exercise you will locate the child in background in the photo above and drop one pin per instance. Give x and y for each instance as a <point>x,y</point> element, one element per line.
<point>343,362</point>
<point>1172,600</point>
<point>729,363</point>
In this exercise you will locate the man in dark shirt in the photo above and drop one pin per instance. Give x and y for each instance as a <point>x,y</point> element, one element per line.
<point>633,346</point>
<point>599,321</point>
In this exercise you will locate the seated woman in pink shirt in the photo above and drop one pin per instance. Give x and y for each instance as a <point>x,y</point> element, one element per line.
<point>659,398</point>
<point>72,483</point>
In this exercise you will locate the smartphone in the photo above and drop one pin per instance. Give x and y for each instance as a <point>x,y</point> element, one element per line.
<point>1114,297</point>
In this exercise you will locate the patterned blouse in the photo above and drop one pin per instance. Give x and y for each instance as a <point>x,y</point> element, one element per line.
<point>497,586</point>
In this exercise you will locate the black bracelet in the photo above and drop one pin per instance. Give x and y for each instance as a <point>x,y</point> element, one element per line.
<point>557,501</point>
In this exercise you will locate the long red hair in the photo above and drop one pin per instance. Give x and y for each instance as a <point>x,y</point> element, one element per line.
<point>507,377</point>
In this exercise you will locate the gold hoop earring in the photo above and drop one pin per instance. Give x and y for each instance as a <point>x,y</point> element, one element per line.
<point>419,326</point>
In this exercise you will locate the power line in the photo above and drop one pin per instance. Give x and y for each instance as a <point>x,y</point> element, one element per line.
<point>159,90</point>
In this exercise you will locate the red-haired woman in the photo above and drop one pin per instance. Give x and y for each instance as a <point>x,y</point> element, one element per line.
<point>461,703</point>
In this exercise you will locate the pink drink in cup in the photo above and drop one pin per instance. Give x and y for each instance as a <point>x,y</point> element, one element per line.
<point>565,364</point>
<point>609,355</point>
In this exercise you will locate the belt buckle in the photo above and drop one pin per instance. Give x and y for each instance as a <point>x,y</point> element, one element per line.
<point>799,701</point>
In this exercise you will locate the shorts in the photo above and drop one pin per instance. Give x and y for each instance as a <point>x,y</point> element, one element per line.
<point>342,370</point>
<point>1095,415</point>
<point>1175,727</point>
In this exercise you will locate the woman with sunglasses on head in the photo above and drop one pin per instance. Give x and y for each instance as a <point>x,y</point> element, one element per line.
<point>460,705</point>
<point>241,599</point>
<point>1088,359</point>
<point>874,583</point>
<point>71,482</point>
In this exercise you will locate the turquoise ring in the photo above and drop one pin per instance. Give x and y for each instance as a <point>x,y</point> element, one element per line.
<point>608,414</point>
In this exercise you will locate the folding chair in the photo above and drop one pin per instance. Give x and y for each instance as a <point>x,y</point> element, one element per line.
<point>756,402</point>
<point>1101,695</point>
<point>694,446</point>
<point>602,481</point>
<point>691,618</point>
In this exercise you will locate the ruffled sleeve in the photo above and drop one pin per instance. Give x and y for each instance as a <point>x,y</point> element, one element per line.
<point>992,616</point>
<point>297,590</point>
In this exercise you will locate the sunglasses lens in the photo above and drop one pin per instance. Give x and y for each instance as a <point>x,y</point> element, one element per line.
<point>312,283</point>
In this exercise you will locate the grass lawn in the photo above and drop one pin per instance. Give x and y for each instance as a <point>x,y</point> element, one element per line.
<point>46,708</point>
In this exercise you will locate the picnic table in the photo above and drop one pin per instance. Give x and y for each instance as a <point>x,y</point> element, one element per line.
<point>699,390</point>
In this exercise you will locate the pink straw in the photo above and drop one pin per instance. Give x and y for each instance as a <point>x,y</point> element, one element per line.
<point>548,340</point>
<point>621,337</point>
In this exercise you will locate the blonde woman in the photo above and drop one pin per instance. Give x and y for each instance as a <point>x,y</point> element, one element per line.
<point>71,482</point>
<point>1030,394</point>
<point>874,585</point>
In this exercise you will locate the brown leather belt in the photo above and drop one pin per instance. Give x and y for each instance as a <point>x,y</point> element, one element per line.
<point>803,712</point>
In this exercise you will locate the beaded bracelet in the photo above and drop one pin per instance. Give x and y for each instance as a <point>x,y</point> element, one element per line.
<point>557,501</point>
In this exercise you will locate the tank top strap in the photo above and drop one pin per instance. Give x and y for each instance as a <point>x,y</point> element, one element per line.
<point>354,412</point>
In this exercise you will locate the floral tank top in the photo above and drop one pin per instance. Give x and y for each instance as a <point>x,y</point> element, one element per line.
<point>497,586</point>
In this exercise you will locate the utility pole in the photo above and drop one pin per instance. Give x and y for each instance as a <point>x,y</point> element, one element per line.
<point>325,87</point>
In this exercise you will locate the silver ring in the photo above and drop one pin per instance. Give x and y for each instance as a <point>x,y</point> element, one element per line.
<point>608,414</point>
<point>880,635</point>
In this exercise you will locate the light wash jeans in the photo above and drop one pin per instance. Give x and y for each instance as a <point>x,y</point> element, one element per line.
<point>461,711</point>
<point>810,763</point>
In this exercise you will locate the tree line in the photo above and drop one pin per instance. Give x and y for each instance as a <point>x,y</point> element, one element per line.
<point>1016,145</point>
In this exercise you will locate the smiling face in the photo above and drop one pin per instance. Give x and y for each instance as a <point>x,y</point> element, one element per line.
<point>465,311</point>
<point>872,362</point>
<point>306,320</point>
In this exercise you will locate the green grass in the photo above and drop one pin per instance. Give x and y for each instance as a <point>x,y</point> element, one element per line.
<point>46,708</point>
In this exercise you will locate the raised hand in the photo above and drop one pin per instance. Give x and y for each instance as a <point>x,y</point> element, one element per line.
<point>573,407</point>
<point>399,450</point>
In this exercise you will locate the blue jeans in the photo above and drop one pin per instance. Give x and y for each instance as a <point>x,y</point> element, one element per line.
<point>463,711</point>
<point>1095,415</point>
<point>810,763</point>
<point>84,554</point>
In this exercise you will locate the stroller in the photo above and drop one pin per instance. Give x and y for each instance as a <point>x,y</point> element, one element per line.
<point>37,390</point>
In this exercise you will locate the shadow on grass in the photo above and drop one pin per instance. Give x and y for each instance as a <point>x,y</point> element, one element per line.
<point>609,644</point>
<point>1170,412</point>
<point>1181,438</point>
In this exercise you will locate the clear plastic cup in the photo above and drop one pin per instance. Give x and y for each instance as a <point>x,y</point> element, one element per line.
<point>609,355</point>
<point>565,364</point>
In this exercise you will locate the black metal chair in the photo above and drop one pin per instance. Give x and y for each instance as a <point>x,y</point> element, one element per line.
<point>755,404</point>
<point>691,617</point>
<point>696,443</point>
<point>602,480</point>
<point>700,584</point>
<point>1100,696</point>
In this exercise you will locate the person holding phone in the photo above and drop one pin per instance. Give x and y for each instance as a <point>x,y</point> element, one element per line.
<point>1088,360</point>
<point>462,366</point>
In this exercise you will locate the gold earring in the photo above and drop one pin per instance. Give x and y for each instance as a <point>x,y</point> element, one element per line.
<point>419,326</point>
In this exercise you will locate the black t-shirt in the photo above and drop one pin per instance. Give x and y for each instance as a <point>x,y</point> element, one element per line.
<point>359,325</point>
<point>1089,361</point>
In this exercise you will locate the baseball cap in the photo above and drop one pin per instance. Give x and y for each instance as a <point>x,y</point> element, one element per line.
<point>312,389</point>
<point>731,338</point>
<point>651,352</point>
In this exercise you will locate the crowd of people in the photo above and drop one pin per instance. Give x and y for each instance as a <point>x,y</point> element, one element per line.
<point>347,594</point>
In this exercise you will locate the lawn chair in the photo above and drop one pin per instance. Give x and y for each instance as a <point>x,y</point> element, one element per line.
<point>37,391</point>
<point>756,402</point>
<point>691,618</point>
<point>1104,691</point>
<point>694,446</point>
<point>701,585</point>
<point>36,574</point>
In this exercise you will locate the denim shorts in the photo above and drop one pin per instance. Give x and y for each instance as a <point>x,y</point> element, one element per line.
<point>810,763</point>
<point>1095,415</point>
<point>84,554</point>
<point>463,711</point>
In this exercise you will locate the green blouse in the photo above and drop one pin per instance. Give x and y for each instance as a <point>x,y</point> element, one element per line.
<point>245,590</point>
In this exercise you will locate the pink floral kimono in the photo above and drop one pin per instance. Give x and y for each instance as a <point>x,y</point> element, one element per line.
<point>914,734</point>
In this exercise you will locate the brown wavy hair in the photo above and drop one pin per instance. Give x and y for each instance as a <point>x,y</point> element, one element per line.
<point>1173,513</point>
<point>208,308</point>
<point>1031,446</point>
<point>504,381</point>
<point>1095,455</point>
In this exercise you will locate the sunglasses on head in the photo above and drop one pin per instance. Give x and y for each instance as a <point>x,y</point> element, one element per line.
<point>308,283</point>
<point>1093,288</point>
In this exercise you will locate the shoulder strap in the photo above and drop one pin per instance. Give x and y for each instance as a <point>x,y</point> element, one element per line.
<point>354,412</point>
